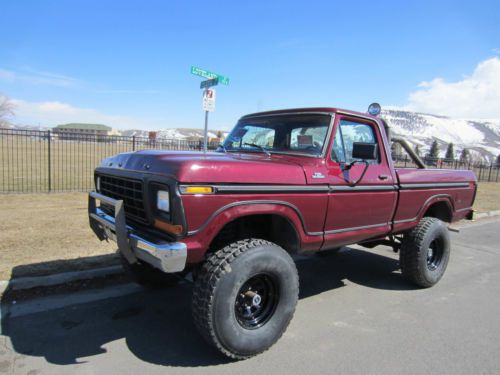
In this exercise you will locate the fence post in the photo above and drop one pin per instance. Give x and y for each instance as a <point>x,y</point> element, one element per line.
<point>49,161</point>
<point>489,174</point>
<point>133,143</point>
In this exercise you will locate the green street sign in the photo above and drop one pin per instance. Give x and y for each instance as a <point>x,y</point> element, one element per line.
<point>210,75</point>
<point>209,83</point>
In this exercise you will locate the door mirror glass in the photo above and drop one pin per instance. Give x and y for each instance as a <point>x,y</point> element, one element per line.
<point>364,151</point>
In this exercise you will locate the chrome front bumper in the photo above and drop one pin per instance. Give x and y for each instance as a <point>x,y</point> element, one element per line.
<point>167,256</point>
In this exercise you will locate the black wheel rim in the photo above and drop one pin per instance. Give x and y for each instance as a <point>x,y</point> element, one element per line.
<point>256,301</point>
<point>434,254</point>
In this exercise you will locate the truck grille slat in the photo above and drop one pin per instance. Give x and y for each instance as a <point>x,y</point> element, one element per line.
<point>128,190</point>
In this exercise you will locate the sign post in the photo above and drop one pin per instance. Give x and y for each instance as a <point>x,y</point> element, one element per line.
<point>205,134</point>
<point>213,79</point>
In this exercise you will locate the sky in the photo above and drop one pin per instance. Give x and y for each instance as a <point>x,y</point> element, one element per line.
<point>127,63</point>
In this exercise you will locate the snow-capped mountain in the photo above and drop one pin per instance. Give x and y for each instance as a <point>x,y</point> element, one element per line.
<point>481,137</point>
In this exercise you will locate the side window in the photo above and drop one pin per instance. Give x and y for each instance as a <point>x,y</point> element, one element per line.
<point>347,133</point>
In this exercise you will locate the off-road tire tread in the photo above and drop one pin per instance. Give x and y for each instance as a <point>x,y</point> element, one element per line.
<point>410,252</point>
<point>204,291</point>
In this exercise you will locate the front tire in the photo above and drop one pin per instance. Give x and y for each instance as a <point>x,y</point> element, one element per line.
<point>425,252</point>
<point>245,296</point>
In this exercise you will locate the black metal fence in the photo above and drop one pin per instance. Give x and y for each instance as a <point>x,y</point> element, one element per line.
<point>44,161</point>
<point>484,172</point>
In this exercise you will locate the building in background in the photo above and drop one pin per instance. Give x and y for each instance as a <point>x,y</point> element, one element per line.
<point>77,131</point>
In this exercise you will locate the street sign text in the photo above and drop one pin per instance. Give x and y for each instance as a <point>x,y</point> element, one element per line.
<point>209,75</point>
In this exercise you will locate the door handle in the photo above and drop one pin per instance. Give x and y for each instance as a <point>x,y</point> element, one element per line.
<point>383,177</point>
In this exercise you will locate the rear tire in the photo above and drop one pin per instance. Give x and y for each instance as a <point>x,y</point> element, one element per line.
<point>148,276</point>
<point>245,296</point>
<point>425,252</point>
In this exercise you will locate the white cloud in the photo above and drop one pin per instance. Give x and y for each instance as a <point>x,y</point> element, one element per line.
<point>53,113</point>
<point>35,77</point>
<point>7,75</point>
<point>475,96</point>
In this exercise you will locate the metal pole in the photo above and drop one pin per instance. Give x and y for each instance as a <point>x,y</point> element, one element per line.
<point>205,138</point>
<point>49,172</point>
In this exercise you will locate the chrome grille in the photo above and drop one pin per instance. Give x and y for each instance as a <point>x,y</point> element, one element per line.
<point>128,190</point>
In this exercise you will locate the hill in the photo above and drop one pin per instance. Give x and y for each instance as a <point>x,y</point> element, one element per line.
<point>481,137</point>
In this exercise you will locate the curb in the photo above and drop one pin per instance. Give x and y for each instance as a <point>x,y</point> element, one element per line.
<point>66,277</point>
<point>58,278</point>
<point>487,214</point>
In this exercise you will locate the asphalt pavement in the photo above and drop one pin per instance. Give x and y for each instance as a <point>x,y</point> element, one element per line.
<point>356,315</point>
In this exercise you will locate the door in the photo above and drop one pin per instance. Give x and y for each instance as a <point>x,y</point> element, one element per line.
<point>361,202</point>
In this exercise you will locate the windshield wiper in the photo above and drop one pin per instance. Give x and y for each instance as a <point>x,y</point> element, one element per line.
<point>262,148</point>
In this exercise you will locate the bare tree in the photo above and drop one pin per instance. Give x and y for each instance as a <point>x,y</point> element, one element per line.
<point>6,110</point>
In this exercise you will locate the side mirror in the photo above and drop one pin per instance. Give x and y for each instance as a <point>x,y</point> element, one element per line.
<point>364,151</point>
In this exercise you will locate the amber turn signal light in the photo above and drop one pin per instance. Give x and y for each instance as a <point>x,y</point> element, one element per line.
<point>172,229</point>
<point>197,189</point>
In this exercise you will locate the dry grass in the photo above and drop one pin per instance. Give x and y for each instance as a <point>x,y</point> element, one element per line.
<point>41,233</point>
<point>488,197</point>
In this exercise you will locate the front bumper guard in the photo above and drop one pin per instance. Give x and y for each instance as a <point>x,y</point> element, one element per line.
<point>168,256</point>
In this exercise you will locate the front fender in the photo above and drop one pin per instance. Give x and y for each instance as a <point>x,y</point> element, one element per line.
<point>198,241</point>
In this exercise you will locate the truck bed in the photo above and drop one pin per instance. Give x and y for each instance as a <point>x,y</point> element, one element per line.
<point>455,189</point>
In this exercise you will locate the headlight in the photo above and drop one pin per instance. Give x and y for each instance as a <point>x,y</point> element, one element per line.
<point>98,184</point>
<point>163,200</point>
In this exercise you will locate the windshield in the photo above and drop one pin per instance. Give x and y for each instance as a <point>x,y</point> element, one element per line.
<point>301,133</point>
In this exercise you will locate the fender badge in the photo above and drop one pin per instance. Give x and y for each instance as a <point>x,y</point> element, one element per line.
<point>318,175</point>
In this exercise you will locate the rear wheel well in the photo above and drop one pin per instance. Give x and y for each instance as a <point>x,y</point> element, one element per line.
<point>273,228</point>
<point>439,210</point>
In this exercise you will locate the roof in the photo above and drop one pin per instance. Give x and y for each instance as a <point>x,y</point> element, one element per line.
<point>78,126</point>
<point>311,110</point>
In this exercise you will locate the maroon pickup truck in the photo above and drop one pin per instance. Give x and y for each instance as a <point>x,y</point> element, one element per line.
<point>283,182</point>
